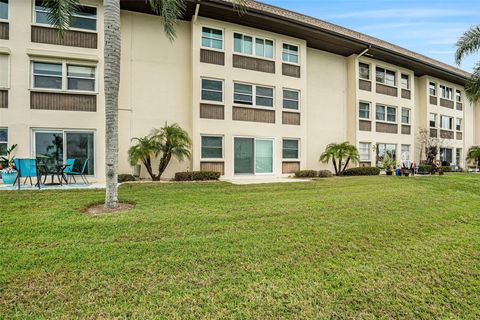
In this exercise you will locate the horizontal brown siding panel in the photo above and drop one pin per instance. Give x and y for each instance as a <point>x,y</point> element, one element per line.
<point>255,64</point>
<point>3,99</point>
<point>212,57</point>
<point>364,85</point>
<point>446,103</point>
<point>4,30</point>
<point>365,163</point>
<point>213,166</point>
<point>71,38</point>
<point>292,118</point>
<point>406,129</point>
<point>291,70</point>
<point>254,115</point>
<point>63,101</point>
<point>433,100</point>
<point>459,136</point>
<point>212,111</point>
<point>290,167</point>
<point>459,106</point>
<point>386,127</point>
<point>406,94</point>
<point>433,133</point>
<point>444,134</point>
<point>383,89</point>
<point>365,125</point>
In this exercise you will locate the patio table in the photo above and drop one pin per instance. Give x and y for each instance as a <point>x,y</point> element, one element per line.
<point>53,171</point>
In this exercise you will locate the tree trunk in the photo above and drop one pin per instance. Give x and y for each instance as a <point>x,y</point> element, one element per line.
<point>346,164</point>
<point>339,165</point>
<point>147,162</point>
<point>164,161</point>
<point>111,84</point>
<point>334,161</point>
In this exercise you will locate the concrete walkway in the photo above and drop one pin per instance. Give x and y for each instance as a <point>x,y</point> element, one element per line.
<point>70,186</point>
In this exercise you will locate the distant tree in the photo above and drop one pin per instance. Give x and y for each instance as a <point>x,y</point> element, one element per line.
<point>429,146</point>
<point>469,44</point>
<point>337,153</point>
<point>473,155</point>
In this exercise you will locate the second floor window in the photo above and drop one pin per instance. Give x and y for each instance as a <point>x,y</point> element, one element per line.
<point>85,18</point>
<point>405,116</point>
<point>52,76</point>
<point>364,110</point>
<point>4,77</point>
<point>446,92</point>
<point>385,76</point>
<point>364,71</point>
<point>252,95</point>
<point>432,119</point>
<point>432,89</point>
<point>405,81</point>
<point>290,53</point>
<point>291,99</point>
<point>4,9</point>
<point>212,90</point>
<point>458,96</point>
<point>244,44</point>
<point>80,78</point>
<point>212,38</point>
<point>458,124</point>
<point>446,122</point>
<point>385,113</point>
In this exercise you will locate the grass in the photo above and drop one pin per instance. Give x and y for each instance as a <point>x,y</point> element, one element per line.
<point>360,247</point>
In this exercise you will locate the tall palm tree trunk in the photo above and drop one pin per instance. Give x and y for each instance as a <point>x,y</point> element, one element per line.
<point>111,83</point>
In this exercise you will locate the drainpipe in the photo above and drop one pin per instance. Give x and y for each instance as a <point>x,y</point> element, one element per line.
<point>364,51</point>
<point>197,8</point>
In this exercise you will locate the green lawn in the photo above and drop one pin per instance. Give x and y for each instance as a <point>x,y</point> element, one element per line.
<point>361,248</point>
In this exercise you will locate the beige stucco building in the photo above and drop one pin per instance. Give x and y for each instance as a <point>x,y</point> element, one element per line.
<point>261,94</point>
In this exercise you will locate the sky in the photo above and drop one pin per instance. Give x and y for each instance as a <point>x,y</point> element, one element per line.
<point>428,27</point>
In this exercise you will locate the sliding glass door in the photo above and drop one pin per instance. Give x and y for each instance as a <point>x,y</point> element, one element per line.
<point>253,156</point>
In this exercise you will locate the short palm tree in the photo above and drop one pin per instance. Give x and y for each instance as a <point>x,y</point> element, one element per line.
<point>469,44</point>
<point>144,151</point>
<point>473,155</point>
<point>340,152</point>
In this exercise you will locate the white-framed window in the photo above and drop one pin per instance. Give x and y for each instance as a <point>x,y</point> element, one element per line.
<point>3,9</point>
<point>458,124</point>
<point>405,152</point>
<point>386,113</point>
<point>212,38</point>
<point>446,155</point>
<point>212,90</point>
<point>290,149</point>
<point>405,81</point>
<point>4,70</point>
<point>432,119</point>
<point>384,149</point>
<point>249,45</point>
<point>458,95</point>
<point>446,122</point>
<point>212,147</point>
<point>405,116</point>
<point>386,77</point>
<point>3,141</point>
<point>432,89</point>
<point>364,151</point>
<point>84,19</point>
<point>63,76</point>
<point>291,99</point>
<point>253,95</point>
<point>446,92</point>
<point>364,71</point>
<point>458,156</point>
<point>290,53</point>
<point>364,110</point>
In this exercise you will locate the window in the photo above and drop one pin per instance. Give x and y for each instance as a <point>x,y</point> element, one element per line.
<point>433,120</point>
<point>364,151</point>
<point>291,99</point>
<point>212,147</point>
<point>290,149</point>
<point>290,53</point>
<point>386,77</point>
<point>85,18</point>
<point>212,38</point>
<point>446,92</point>
<point>446,122</point>
<point>3,141</point>
<point>364,110</point>
<point>458,124</point>
<point>253,156</point>
<point>405,116</point>
<point>405,152</point>
<point>56,146</point>
<point>364,71</point>
<point>244,44</point>
<point>458,156</point>
<point>4,9</point>
<point>4,74</point>
<point>385,113</point>
<point>446,155</point>
<point>386,149</point>
<point>405,81</point>
<point>244,93</point>
<point>47,75</point>
<point>432,89</point>
<point>212,90</point>
<point>458,95</point>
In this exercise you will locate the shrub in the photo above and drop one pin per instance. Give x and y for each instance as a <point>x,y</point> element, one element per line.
<point>197,176</point>
<point>125,178</point>
<point>325,174</point>
<point>306,174</point>
<point>445,168</point>
<point>362,171</point>
<point>425,169</point>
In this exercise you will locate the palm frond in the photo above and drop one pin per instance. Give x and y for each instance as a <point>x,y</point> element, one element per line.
<point>469,43</point>
<point>60,13</point>
<point>472,87</point>
<point>169,12</point>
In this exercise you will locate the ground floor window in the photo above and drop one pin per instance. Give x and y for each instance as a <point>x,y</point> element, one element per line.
<point>384,149</point>
<point>212,147</point>
<point>56,146</point>
<point>290,149</point>
<point>253,156</point>
<point>405,152</point>
<point>458,156</point>
<point>3,141</point>
<point>446,156</point>
<point>364,151</point>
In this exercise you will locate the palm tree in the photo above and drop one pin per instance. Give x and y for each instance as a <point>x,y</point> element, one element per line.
<point>145,149</point>
<point>60,14</point>
<point>473,155</point>
<point>338,152</point>
<point>469,44</point>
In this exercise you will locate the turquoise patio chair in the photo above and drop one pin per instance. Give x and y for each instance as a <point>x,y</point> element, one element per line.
<point>81,174</point>
<point>27,168</point>
<point>68,168</point>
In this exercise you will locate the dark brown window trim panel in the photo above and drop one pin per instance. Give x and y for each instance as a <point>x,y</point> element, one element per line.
<point>4,30</point>
<point>59,101</point>
<point>255,64</point>
<point>212,57</point>
<point>3,99</point>
<point>212,111</point>
<point>72,38</point>
<point>253,115</point>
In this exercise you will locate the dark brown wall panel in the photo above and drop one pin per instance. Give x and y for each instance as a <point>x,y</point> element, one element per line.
<point>212,57</point>
<point>444,134</point>
<point>433,133</point>
<point>292,118</point>
<point>459,136</point>
<point>3,99</point>
<point>255,64</point>
<point>406,94</point>
<point>212,111</point>
<point>406,129</point>
<point>290,167</point>
<point>459,106</point>
<point>365,85</point>
<point>291,70</point>
<point>4,30</point>
<point>433,100</point>
<point>63,101</point>
<point>71,38</point>
<point>213,166</point>
<point>446,103</point>
<point>386,127</point>
<point>383,89</point>
<point>254,115</point>
<point>365,125</point>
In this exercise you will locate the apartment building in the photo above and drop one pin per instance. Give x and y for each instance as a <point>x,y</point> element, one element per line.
<point>261,94</point>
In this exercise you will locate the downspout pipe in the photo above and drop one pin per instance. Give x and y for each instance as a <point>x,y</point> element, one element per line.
<point>197,9</point>
<point>364,51</point>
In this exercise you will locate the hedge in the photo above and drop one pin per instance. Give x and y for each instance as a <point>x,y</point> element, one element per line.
<point>445,168</point>
<point>325,174</point>
<point>425,169</point>
<point>197,176</point>
<point>362,171</point>
<point>125,178</point>
<point>306,174</point>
